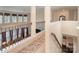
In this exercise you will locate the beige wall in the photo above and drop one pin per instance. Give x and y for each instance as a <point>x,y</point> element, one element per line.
<point>70,14</point>
<point>73,14</point>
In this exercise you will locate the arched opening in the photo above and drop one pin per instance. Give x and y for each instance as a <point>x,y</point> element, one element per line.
<point>62,18</point>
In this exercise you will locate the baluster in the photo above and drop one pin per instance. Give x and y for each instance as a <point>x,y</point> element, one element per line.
<point>1,40</point>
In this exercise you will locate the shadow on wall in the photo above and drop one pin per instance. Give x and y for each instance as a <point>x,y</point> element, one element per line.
<point>38,30</point>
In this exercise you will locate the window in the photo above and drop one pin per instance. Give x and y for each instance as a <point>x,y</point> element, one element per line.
<point>20,18</point>
<point>4,39</point>
<point>22,32</point>
<point>6,18</point>
<point>1,16</point>
<point>19,32</point>
<point>14,34</point>
<point>8,36</point>
<point>11,36</point>
<point>25,18</point>
<point>14,18</point>
<point>25,31</point>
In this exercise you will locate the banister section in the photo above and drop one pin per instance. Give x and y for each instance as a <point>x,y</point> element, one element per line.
<point>56,40</point>
<point>30,44</point>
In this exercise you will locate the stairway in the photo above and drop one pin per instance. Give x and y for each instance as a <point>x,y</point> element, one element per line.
<point>66,49</point>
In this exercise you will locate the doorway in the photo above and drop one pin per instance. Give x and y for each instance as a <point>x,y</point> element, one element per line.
<point>62,18</point>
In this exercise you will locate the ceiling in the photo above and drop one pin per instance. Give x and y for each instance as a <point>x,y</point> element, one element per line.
<point>16,8</point>
<point>27,9</point>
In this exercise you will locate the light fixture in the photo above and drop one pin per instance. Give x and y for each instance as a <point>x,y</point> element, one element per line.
<point>78,27</point>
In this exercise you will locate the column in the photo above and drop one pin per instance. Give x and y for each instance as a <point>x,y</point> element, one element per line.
<point>29,23</point>
<point>33,20</point>
<point>77,13</point>
<point>47,18</point>
<point>78,30</point>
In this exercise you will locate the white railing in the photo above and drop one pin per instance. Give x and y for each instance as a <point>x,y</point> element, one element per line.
<point>67,27</point>
<point>25,42</point>
<point>63,27</point>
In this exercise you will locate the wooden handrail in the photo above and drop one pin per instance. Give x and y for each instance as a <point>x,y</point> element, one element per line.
<point>56,39</point>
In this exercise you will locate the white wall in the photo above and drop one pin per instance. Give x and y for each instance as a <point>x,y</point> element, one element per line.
<point>75,45</point>
<point>56,28</point>
<point>78,42</point>
<point>63,27</point>
<point>70,27</point>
